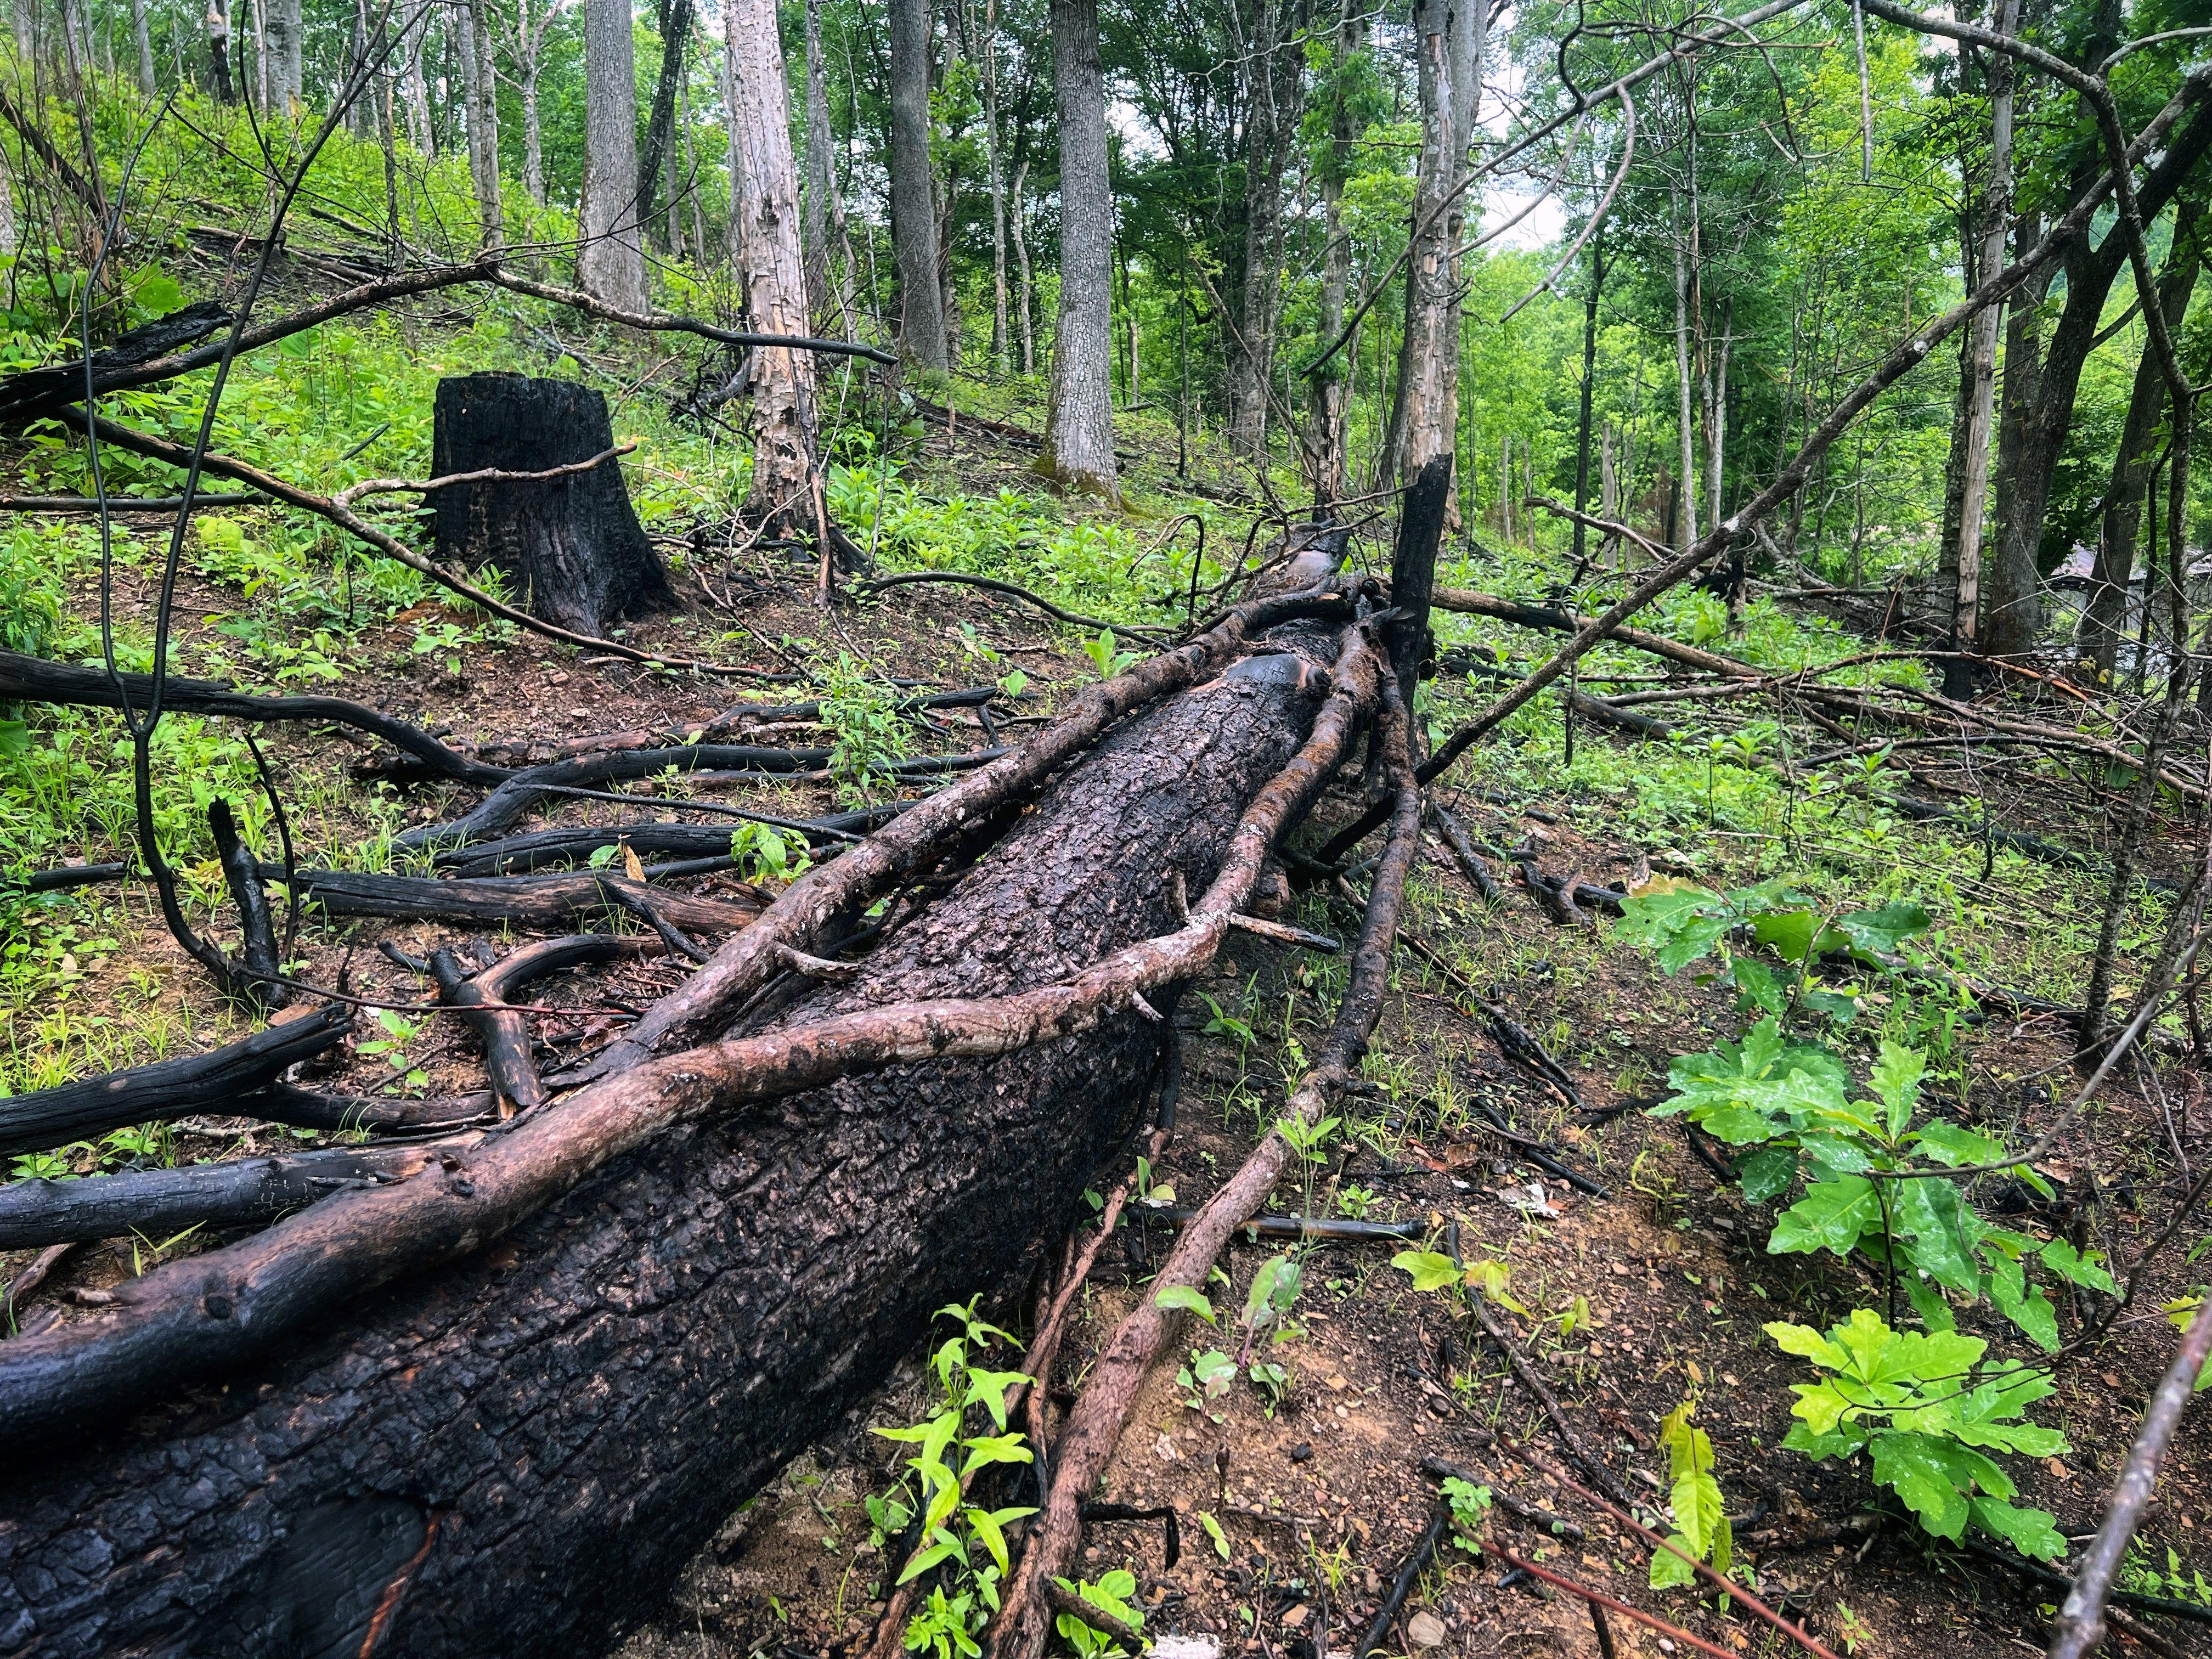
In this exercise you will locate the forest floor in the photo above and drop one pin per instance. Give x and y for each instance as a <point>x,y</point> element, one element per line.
<point>1296,1505</point>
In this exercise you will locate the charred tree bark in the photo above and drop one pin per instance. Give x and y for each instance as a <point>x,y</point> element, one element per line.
<point>571,547</point>
<point>519,1452</point>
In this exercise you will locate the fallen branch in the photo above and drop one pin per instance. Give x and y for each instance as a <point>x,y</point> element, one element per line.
<point>234,1192</point>
<point>542,902</point>
<point>168,1089</point>
<point>34,680</point>
<point>993,585</point>
<point>2080,1623</point>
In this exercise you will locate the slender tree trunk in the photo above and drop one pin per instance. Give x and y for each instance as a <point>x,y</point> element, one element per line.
<point>1589,390</point>
<point>144,44</point>
<point>533,143</point>
<point>787,481</point>
<point>1982,369</point>
<point>1274,55</point>
<point>611,265</point>
<point>1716,387</point>
<point>1328,403</point>
<point>676,20</point>
<point>415,88</point>
<point>258,13</point>
<point>2104,620</point>
<point>1428,355</point>
<point>1024,296</point>
<point>482,112</point>
<point>218,34</point>
<point>821,170</point>
<point>914,206</point>
<point>1078,433</point>
<point>1685,493</point>
<point>1001,344</point>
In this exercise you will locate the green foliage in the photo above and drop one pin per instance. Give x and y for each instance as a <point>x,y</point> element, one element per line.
<point>1928,1420</point>
<point>1470,1507</point>
<point>1787,1106</point>
<point>1432,1270</point>
<point>864,713</point>
<point>1267,1303</point>
<point>966,1540</point>
<point>1115,1595</point>
<point>765,853</point>
<point>1701,1522</point>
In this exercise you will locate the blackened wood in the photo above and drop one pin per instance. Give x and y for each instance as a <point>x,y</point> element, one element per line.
<point>24,396</point>
<point>549,1431</point>
<point>522,790</point>
<point>521,854</point>
<point>239,1192</point>
<point>1413,566</point>
<point>168,1089</point>
<point>571,547</point>
<point>550,901</point>
<point>34,680</point>
<point>257,927</point>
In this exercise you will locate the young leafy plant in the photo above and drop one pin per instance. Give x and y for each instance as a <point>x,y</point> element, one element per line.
<point>1915,1405</point>
<point>953,1530</point>
<point>1113,1594</point>
<point>1701,1522</point>
<point>1430,1270</point>
<point>1789,1104</point>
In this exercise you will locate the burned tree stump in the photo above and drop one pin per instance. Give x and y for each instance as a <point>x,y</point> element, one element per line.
<point>571,547</point>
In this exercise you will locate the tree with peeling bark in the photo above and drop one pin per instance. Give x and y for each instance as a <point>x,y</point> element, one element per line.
<point>786,487</point>
<point>1078,430</point>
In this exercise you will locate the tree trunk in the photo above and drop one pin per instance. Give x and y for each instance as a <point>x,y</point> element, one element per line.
<point>1328,403</point>
<point>1001,344</point>
<point>676,18</point>
<point>286,27</point>
<point>1980,392</point>
<point>1685,493</point>
<point>144,45</point>
<point>914,206</point>
<point>1024,296</point>
<point>571,547</point>
<point>1274,58</point>
<point>786,481</point>
<point>1716,395</point>
<point>533,145</point>
<point>1078,428</point>
<point>519,1453</point>
<point>218,34</point>
<point>2012,610</point>
<point>1588,392</point>
<point>611,265</point>
<point>2104,619</point>
<point>821,173</point>
<point>1424,412</point>
<point>481,110</point>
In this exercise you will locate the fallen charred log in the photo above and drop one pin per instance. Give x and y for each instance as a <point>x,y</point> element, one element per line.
<point>239,1191</point>
<point>550,901</point>
<point>168,1089</point>
<point>519,791</point>
<point>518,1451</point>
<point>513,854</point>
